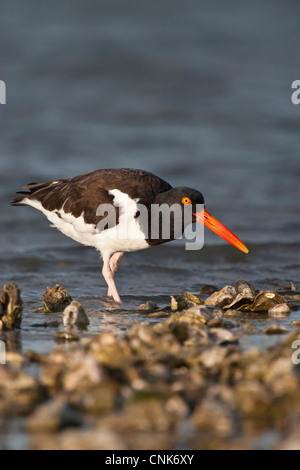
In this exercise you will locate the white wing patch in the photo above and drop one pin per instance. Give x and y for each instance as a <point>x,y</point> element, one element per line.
<point>128,234</point>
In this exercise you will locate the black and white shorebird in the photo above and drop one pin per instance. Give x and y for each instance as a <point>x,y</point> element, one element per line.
<point>72,206</point>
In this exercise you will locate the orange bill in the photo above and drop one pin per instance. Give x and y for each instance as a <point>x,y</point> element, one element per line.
<point>206,219</point>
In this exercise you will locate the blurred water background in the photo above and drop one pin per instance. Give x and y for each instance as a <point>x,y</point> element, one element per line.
<point>197,92</point>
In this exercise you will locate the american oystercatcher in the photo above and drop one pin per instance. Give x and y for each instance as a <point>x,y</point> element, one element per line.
<point>80,208</point>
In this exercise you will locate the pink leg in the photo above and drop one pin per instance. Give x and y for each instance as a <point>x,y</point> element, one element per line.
<point>114,261</point>
<point>109,278</point>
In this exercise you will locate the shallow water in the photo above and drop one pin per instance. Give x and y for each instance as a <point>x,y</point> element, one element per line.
<point>198,94</point>
<point>150,275</point>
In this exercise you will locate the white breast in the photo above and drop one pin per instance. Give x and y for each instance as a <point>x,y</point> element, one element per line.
<point>128,234</point>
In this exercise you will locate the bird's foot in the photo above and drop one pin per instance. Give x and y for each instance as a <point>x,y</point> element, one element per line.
<point>114,296</point>
<point>109,278</point>
<point>111,304</point>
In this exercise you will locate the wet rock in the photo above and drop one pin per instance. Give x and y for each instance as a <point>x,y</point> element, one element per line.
<point>70,369</point>
<point>253,402</point>
<point>137,383</point>
<point>159,314</point>
<point>143,333</point>
<point>213,357</point>
<point>148,440</point>
<point>208,290</point>
<point>291,287</point>
<point>291,442</point>
<point>222,298</point>
<point>51,376</point>
<point>223,336</point>
<point>275,330</point>
<point>215,322</point>
<point>183,382</point>
<point>149,414</point>
<point>295,323</point>
<point>216,312</point>
<point>87,439</point>
<point>74,314</point>
<point>279,367</point>
<point>242,298</point>
<point>243,287</point>
<point>82,372</point>
<point>232,313</point>
<point>65,337</point>
<point>40,310</point>
<point>19,392</point>
<point>110,351</point>
<point>241,302</point>
<point>265,300</point>
<point>52,416</point>
<point>34,356</point>
<point>197,316</point>
<point>174,304</point>
<point>97,400</point>
<point>14,359</point>
<point>181,331</point>
<point>184,301</point>
<point>47,324</point>
<point>11,307</point>
<point>148,307</point>
<point>210,412</point>
<point>56,299</point>
<point>279,310</point>
<point>245,296</point>
<point>158,338</point>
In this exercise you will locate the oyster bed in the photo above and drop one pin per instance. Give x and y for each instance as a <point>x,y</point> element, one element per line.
<point>184,378</point>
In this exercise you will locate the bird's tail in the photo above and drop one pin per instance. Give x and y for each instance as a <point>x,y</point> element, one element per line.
<point>32,187</point>
<point>17,201</point>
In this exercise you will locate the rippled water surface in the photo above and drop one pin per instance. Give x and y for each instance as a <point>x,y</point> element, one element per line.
<point>198,93</point>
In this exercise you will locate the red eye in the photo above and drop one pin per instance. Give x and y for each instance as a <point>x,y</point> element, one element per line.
<point>186,200</point>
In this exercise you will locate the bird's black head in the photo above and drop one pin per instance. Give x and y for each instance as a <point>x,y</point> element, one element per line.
<point>183,197</point>
<point>193,200</point>
<point>178,208</point>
